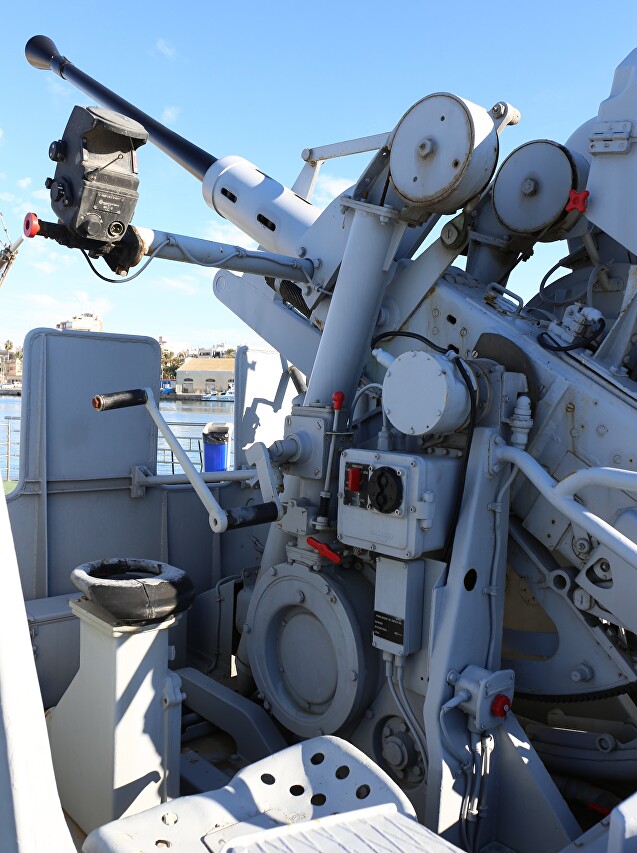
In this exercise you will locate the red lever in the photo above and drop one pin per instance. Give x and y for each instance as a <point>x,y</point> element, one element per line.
<point>324,550</point>
<point>577,201</point>
<point>501,705</point>
<point>31,225</point>
<point>337,398</point>
<point>596,807</point>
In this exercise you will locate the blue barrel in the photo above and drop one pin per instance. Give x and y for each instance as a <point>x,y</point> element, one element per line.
<point>215,447</point>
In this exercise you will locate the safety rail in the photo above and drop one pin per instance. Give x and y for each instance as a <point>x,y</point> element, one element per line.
<point>10,448</point>
<point>188,433</point>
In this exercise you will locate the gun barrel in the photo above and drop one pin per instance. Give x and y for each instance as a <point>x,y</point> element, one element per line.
<point>42,53</point>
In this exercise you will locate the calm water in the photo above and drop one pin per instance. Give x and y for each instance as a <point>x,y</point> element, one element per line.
<point>187,420</point>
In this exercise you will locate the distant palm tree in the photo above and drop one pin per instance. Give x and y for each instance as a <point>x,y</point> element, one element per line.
<point>8,345</point>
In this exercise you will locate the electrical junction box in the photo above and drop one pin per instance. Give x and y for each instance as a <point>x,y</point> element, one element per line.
<point>490,696</point>
<point>394,503</point>
<point>398,605</point>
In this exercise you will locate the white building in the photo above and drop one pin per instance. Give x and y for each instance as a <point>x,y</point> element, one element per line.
<point>82,323</point>
<point>202,375</point>
<point>216,351</point>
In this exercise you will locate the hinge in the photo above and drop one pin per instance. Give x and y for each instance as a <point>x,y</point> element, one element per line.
<point>610,137</point>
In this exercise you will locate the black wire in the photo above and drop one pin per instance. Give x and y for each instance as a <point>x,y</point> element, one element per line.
<point>543,340</point>
<point>130,277</point>
<point>473,417</point>
<point>401,334</point>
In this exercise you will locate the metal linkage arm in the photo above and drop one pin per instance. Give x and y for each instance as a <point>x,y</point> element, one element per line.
<point>219,519</point>
<point>175,247</point>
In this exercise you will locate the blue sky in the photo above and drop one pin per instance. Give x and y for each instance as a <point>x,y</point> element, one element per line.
<point>265,81</point>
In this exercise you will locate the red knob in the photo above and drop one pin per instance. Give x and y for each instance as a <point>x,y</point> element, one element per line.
<point>324,550</point>
<point>501,706</point>
<point>337,398</point>
<point>577,201</point>
<point>31,225</point>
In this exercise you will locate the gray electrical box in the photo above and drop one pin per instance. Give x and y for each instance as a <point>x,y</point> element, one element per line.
<point>398,605</point>
<point>394,503</point>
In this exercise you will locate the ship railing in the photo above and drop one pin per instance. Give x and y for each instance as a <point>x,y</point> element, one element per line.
<point>191,443</point>
<point>187,433</point>
<point>10,448</point>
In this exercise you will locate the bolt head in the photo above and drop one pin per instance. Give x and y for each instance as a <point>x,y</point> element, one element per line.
<point>426,148</point>
<point>529,187</point>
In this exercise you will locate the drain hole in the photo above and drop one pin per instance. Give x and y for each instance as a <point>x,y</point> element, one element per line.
<point>318,800</point>
<point>268,779</point>
<point>297,790</point>
<point>317,758</point>
<point>363,791</point>
<point>342,772</point>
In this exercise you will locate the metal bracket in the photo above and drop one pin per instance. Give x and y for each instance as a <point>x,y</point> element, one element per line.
<point>138,476</point>
<point>258,456</point>
<point>503,115</point>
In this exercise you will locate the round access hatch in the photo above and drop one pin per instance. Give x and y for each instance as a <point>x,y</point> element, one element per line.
<point>309,647</point>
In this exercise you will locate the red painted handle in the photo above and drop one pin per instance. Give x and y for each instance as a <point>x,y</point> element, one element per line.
<point>577,201</point>
<point>324,550</point>
<point>31,225</point>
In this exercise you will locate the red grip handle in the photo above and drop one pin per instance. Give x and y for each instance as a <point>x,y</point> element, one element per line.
<point>577,201</point>
<point>324,550</point>
<point>31,225</point>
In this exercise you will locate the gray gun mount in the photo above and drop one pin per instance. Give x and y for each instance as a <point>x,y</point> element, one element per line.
<point>454,531</point>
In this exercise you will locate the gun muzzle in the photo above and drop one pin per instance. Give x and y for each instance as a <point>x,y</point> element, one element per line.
<point>41,52</point>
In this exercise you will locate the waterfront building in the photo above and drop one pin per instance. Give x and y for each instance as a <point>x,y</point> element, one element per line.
<point>203,375</point>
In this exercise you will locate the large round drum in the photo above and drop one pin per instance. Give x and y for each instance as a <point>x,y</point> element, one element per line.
<point>532,188</point>
<point>443,152</point>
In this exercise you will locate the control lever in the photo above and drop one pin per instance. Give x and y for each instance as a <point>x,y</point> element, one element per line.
<point>220,520</point>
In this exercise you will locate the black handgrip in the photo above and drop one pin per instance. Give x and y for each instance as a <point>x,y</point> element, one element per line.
<point>247,516</point>
<point>120,399</point>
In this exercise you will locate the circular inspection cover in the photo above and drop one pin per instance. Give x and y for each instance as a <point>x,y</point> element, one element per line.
<point>422,394</point>
<point>308,647</point>
<point>532,187</point>
<point>443,152</point>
